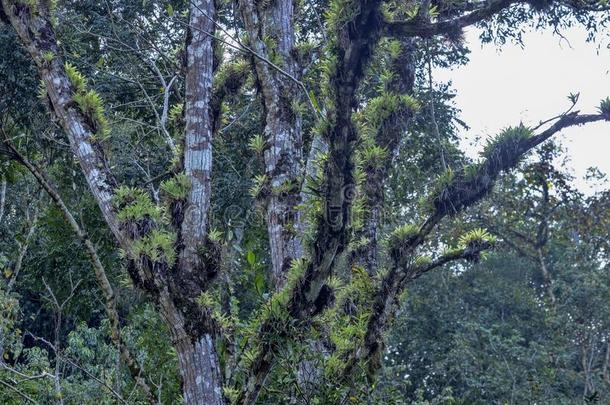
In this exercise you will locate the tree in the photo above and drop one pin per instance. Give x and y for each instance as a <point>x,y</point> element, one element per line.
<point>490,333</point>
<point>327,141</point>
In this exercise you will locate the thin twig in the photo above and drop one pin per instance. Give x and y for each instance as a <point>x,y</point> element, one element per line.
<point>17,391</point>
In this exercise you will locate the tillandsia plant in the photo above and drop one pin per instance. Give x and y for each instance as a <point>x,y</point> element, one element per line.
<point>159,128</point>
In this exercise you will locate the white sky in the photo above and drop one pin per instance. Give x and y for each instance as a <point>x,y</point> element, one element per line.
<point>502,86</point>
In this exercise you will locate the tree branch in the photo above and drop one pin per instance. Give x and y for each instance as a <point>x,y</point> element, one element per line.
<point>355,41</point>
<point>468,253</point>
<point>2,197</point>
<point>424,29</point>
<point>462,192</point>
<point>99,270</point>
<point>38,36</point>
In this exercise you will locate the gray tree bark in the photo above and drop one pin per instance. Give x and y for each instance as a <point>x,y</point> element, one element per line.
<point>282,128</point>
<point>175,292</point>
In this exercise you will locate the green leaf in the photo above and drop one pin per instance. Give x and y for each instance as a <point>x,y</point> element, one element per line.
<point>259,283</point>
<point>251,258</point>
<point>314,100</point>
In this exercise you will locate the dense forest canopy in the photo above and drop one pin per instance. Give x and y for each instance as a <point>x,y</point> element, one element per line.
<point>264,201</point>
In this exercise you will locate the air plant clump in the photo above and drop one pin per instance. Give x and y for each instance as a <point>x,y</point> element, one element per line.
<point>31,4</point>
<point>257,144</point>
<point>215,235</point>
<point>42,91</point>
<point>48,56</point>
<point>177,187</point>
<point>78,81</point>
<point>260,186</point>
<point>134,204</point>
<point>401,238</point>
<point>506,143</point>
<point>422,261</point>
<point>158,246</point>
<point>358,243</point>
<point>441,194</point>
<point>341,12</point>
<point>91,105</point>
<point>373,157</point>
<point>348,318</point>
<point>279,302</point>
<point>471,171</point>
<point>213,304</point>
<point>476,236</point>
<point>231,73</point>
<point>359,210</point>
<point>231,393</point>
<point>176,113</point>
<point>285,188</point>
<point>473,242</point>
<point>273,316</point>
<point>604,107</point>
<point>380,108</point>
<point>89,102</point>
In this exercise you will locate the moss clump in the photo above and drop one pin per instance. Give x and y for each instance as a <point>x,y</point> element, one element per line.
<point>177,187</point>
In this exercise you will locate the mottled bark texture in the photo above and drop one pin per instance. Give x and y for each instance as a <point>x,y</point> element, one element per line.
<point>174,290</point>
<point>37,35</point>
<point>198,134</point>
<point>282,125</point>
<point>353,44</point>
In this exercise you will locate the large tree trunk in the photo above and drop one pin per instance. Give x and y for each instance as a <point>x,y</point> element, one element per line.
<point>198,131</point>
<point>199,368</point>
<point>175,291</point>
<point>197,358</point>
<point>282,127</point>
<point>192,337</point>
